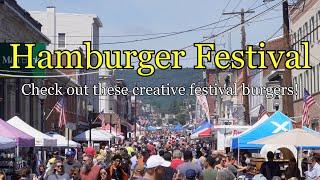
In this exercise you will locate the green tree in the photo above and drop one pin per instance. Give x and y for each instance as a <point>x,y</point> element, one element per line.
<point>159,122</point>
<point>182,118</point>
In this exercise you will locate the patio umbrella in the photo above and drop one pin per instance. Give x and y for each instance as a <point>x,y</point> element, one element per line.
<point>295,137</point>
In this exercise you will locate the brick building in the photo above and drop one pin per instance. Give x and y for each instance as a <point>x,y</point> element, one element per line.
<point>305,27</point>
<point>17,26</point>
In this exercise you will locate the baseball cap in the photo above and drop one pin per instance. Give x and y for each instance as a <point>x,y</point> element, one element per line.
<point>70,154</point>
<point>90,151</point>
<point>155,161</point>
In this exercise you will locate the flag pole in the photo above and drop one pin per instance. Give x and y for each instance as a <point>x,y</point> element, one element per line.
<point>95,119</point>
<point>52,109</point>
<point>49,113</point>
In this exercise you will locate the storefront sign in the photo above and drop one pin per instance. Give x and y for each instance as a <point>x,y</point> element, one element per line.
<point>6,60</point>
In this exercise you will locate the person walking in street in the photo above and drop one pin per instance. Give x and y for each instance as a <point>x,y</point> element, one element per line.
<point>222,164</point>
<point>188,167</point>
<point>103,174</point>
<point>155,167</point>
<point>169,171</point>
<point>41,171</point>
<point>225,174</point>
<point>58,173</point>
<point>75,173</point>
<point>115,171</point>
<point>210,173</point>
<point>314,172</point>
<point>292,170</point>
<point>270,169</point>
<point>89,171</point>
<point>138,172</point>
<point>176,161</point>
<point>70,161</point>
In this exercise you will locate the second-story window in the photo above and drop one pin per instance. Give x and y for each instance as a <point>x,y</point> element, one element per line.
<point>312,30</point>
<point>61,40</point>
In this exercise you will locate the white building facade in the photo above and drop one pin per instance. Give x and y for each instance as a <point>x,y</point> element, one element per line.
<point>68,31</point>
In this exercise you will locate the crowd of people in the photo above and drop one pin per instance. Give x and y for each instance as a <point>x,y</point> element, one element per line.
<point>159,158</point>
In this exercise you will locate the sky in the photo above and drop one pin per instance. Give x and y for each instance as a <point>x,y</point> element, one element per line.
<point>127,17</point>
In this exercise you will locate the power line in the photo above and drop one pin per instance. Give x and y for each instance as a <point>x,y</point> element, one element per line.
<point>233,27</point>
<point>239,2</point>
<point>192,58</point>
<point>254,3</point>
<point>212,32</point>
<point>161,33</point>
<point>157,37</point>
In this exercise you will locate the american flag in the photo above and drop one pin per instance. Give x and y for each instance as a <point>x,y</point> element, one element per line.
<point>59,107</point>
<point>143,121</point>
<point>262,112</point>
<point>308,101</point>
<point>102,119</point>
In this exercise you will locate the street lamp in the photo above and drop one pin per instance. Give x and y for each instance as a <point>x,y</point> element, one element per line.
<point>90,110</point>
<point>42,98</point>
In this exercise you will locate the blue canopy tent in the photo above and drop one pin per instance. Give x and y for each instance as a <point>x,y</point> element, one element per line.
<point>310,130</point>
<point>276,123</point>
<point>151,128</point>
<point>178,128</point>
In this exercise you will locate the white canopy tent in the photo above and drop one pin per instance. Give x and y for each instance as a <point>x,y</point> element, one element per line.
<point>41,139</point>
<point>294,137</point>
<point>96,135</point>
<point>62,141</point>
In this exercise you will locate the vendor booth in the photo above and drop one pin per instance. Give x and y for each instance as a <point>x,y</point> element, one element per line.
<point>63,141</point>
<point>151,128</point>
<point>10,159</point>
<point>97,134</point>
<point>41,139</point>
<point>178,128</point>
<point>22,139</point>
<point>7,143</point>
<point>224,134</point>
<point>204,130</point>
<point>266,126</point>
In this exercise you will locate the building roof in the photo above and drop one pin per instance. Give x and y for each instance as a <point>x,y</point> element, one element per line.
<point>95,18</point>
<point>14,6</point>
<point>21,11</point>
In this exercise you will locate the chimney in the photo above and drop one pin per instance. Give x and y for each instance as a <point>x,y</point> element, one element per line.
<point>51,27</point>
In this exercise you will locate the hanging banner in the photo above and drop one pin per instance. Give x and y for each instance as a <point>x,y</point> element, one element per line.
<point>202,99</point>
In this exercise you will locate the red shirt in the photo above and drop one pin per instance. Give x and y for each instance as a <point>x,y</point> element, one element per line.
<point>175,163</point>
<point>93,173</point>
<point>151,148</point>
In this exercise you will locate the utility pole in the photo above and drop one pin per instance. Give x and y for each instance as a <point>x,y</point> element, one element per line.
<point>135,115</point>
<point>287,77</point>
<point>244,70</point>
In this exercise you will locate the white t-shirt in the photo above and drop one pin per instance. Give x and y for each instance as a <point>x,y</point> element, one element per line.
<point>314,173</point>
